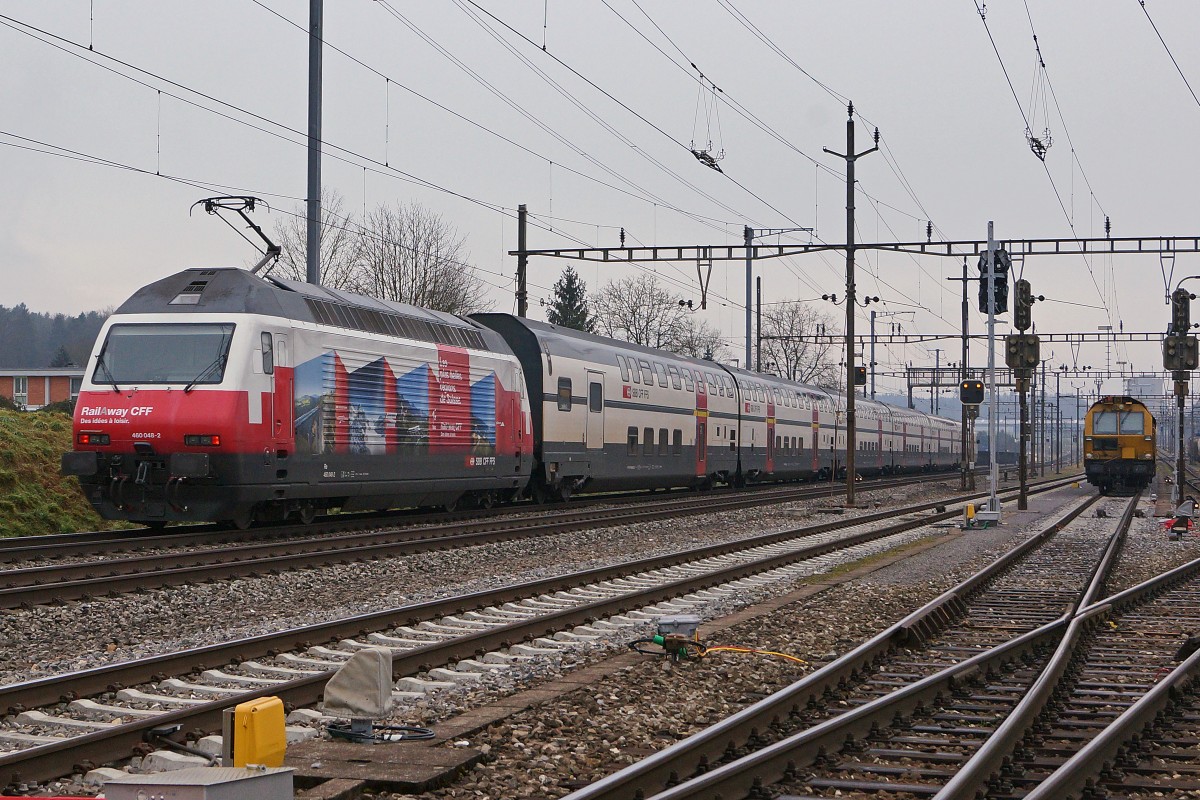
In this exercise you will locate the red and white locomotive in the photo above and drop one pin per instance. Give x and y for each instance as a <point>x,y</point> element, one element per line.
<point>215,394</point>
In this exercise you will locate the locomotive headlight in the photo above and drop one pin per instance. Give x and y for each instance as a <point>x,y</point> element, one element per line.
<point>202,440</point>
<point>93,438</point>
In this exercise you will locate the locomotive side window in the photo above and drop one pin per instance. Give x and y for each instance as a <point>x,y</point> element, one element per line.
<point>633,442</point>
<point>564,394</point>
<point>268,352</point>
<point>187,353</point>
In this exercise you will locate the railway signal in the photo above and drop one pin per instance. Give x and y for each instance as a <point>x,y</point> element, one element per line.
<point>970,393</point>
<point>1022,351</point>
<point>860,376</point>
<point>1002,264</point>
<point>1023,305</point>
<point>1180,352</point>
<point>1181,311</point>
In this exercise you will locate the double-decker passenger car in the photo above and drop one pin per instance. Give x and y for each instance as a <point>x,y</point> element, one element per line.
<point>1119,445</point>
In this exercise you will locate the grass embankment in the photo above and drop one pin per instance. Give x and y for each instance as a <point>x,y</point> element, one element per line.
<point>34,498</point>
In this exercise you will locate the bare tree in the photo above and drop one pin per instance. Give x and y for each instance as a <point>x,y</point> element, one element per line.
<point>640,311</point>
<point>409,254</point>
<point>338,244</point>
<point>795,358</point>
<point>701,340</point>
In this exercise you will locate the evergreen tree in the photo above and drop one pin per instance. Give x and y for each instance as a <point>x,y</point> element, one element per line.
<point>569,305</point>
<point>62,358</point>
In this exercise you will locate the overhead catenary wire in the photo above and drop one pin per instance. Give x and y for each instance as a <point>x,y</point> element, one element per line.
<point>65,45</point>
<point>46,148</point>
<point>1070,223</point>
<point>618,101</point>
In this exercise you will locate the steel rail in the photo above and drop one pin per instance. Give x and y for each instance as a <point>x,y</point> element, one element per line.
<point>666,766</point>
<point>50,761</point>
<point>1083,770</point>
<point>90,543</point>
<point>972,777</point>
<point>74,581</point>
<point>781,760</point>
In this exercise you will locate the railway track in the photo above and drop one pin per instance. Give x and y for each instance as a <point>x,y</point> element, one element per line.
<point>934,683</point>
<point>68,580</point>
<point>73,730</point>
<point>87,543</point>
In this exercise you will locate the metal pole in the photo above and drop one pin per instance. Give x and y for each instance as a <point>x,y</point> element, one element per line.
<point>313,239</point>
<point>758,324</point>
<point>1042,425</point>
<point>1022,467</point>
<point>993,410</point>
<point>968,474</point>
<point>749,298</point>
<point>1181,391</point>
<point>522,261</point>
<point>937,379</point>
<point>850,157</point>
<point>872,354</point>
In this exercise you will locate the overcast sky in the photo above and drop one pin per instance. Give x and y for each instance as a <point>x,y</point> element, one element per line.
<point>76,236</point>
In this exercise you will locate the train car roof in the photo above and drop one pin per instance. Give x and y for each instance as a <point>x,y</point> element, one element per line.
<point>561,341</point>
<point>232,290</point>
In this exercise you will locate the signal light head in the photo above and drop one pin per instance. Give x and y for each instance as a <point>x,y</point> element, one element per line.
<point>202,440</point>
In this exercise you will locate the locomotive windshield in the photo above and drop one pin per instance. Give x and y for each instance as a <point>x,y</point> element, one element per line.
<point>1118,422</point>
<point>164,353</point>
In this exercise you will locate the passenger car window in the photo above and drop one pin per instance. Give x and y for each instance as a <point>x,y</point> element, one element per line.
<point>647,441</point>
<point>688,383</point>
<point>624,365</point>
<point>647,372</point>
<point>661,372</point>
<point>633,442</point>
<point>595,397</point>
<point>564,394</point>
<point>663,442</point>
<point>678,442</point>
<point>673,371</point>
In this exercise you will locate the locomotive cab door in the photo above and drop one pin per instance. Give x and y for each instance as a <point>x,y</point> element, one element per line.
<point>595,413</point>
<point>276,364</point>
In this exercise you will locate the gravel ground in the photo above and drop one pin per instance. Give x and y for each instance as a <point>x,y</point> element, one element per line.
<point>52,640</point>
<point>550,750</point>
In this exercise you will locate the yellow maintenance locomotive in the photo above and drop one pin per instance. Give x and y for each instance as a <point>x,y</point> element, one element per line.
<point>1118,445</point>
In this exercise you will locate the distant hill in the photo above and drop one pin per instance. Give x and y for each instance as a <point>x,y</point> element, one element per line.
<point>36,340</point>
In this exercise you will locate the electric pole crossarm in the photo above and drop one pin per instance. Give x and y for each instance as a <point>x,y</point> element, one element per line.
<point>914,338</point>
<point>1150,245</point>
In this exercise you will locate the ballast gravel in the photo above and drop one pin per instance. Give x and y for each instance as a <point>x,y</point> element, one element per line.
<point>48,640</point>
<point>554,748</point>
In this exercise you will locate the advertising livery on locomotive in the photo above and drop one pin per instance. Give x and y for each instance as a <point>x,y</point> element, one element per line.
<point>215,394</point>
